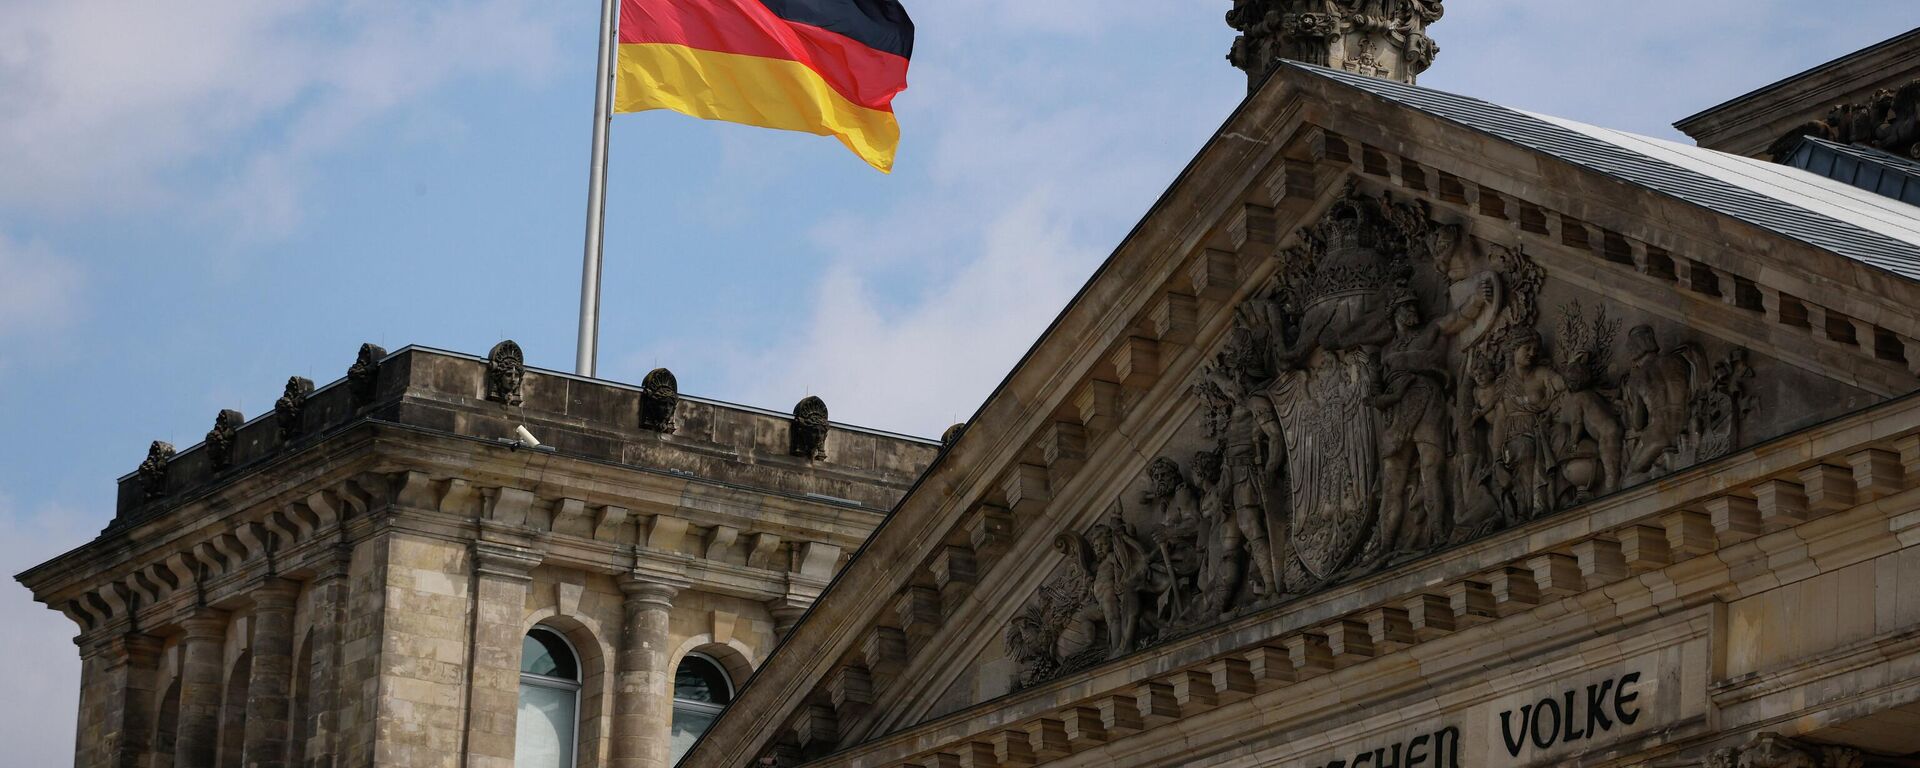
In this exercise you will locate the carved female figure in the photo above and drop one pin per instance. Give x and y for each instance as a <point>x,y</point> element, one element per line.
<point>1523,424</point>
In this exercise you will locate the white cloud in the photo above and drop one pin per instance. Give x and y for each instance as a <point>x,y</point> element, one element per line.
<point>40,665</point>
<point>110,102</point>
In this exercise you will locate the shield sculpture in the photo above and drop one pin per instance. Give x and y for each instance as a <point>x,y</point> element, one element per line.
<point>1332,457</point>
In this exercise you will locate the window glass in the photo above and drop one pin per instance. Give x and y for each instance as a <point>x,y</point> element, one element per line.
<point>543,653</point>
<point>700,690</point>
<point>544,731</point>
<point>699,679</point>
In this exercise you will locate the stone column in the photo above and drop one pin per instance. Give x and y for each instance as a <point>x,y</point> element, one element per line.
<point>199,737</point>
<point>500,588</point>
<point>119,681</point>
<point>271,677</point>
<point>323,677</point>
<point>643,683</point>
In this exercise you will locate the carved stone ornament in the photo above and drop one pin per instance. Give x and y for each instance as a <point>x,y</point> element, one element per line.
<point>659,396</point>
<point>1771,750</point>
<point>807,433</point>
<point>506,370</point>
<point>153,471</point>
<point>1889,122</point>
<point>952,433</point>
<point>1378,38</point>
<point>220,439</point>
<point>290,411</point>
<point>1395,390</point>
<point>363,377</point>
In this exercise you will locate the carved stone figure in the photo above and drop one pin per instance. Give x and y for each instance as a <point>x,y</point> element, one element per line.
<point>1378,38</point>
<point>220,439</point>
<point>1654,396</point>
<point>290,411</point>
<point>363,377</point>
<point>1888,121</point>
<point>153,471</point>
<point>506,370</point>
<point>1523,427</point>
<point>1771,750</point>
<point>659,396</point>
<point>807,433</point>
<point>1413,401</point>
<point>1717,410</point>
<point>1587,433</point>
<point>1178,542</point>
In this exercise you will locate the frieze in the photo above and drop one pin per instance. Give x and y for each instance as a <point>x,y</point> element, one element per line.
<point>1395,390</point>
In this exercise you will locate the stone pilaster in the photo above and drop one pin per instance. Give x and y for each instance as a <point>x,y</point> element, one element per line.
<point>329,598</point>
<point>118,705</point>
<point>200,690</point>
<point>501,582</point>
<point>271,677</point>
<point>643,692</point>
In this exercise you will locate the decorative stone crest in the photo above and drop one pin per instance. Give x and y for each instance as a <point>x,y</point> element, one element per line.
<point>221,439</point>
<point>1771,750</point>
<point>659,395</point>
<point>153,471</point>
<point>1378,38</point>
<point>1394,391</point>
<point>807,433</point>
<point>506,370</point>
<point>363,377</point>
<point>290,411</point>
<point>1889,122</point>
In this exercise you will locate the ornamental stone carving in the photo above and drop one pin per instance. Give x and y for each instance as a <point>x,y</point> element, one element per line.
<point>363,377</point>
<point>153,471</point>
<point>1393,391</point>
<point>290,411</point>
<point>1771,750</point>
<point>221,439</point>
<point>506,370</point>
<point>807,433</point>
<point>1378,38</point>
<point>1889,122</point>
<point>659,395</point>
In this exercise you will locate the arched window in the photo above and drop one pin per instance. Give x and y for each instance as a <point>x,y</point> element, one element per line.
<point>549,701</point>
<point>700,690</point>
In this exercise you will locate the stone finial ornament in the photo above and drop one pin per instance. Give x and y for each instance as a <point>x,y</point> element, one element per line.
<point>290,410</point>
<point>221,439</point>
<point>363,377</point>
<point>506,370</point>
<point>1377,38</point>
<point>659,396</point>
<point>807,435</point>
<point>153,471</point>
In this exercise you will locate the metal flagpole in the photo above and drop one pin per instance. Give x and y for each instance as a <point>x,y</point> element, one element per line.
<point>587,358</point>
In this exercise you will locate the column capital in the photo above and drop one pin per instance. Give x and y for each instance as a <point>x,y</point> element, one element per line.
<point>205,624</point>
<point>505,561</point>
<point>651,588</point>
<point>273,592</point>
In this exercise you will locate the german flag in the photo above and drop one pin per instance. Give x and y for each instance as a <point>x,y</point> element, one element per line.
<point>828,67</point>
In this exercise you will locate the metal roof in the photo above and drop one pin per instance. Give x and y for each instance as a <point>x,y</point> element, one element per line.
<point>1793,203</point>
<point>1864,167</point>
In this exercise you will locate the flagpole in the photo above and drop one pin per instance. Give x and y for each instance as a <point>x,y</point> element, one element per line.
<point>587,357</point>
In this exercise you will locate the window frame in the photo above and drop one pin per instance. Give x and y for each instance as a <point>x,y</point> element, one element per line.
<point>562,684</point>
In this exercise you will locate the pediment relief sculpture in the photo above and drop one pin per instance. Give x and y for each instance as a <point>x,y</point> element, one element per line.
<point>1395,390</point>
<point>1889,122</point>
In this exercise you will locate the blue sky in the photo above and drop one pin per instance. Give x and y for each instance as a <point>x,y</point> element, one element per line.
<point>203,197</point>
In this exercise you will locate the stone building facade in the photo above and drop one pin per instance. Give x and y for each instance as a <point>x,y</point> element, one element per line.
<point>355,578</point>
<point>1410,430</point>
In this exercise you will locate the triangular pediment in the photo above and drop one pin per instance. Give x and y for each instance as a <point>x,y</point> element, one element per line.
<point>1356,339</point>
